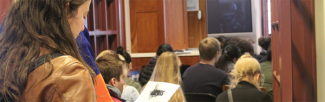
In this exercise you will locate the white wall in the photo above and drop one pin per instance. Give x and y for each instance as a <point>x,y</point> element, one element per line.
<point>127,25</point>
<point>320,48</point>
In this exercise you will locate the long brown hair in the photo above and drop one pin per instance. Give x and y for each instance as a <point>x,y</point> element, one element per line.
<point>33,28</point>
<point>167,70</point>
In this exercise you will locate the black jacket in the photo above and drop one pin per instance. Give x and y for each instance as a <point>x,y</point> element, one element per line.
<point>146,71</point>
<point>245,92</point>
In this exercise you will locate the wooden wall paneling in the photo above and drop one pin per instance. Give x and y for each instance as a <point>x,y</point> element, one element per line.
<point>92,43</point>
<point>113,15</point>
<point>189,60</point>
<point>138,63</point>
<point>285,32</point>
<point>303,51</point>
<point>275,50</point>
<point>101,14</point>
<point>112,42</point>
<point>107,42</point>
<point>106,16</point>
<point>96,17</point>
<point>161,24</point>
<point>103,21</point>
<point>4,7</point>
<point>121,24</point>
<point>90,17</point>
<point>176,23</point>
<point>144,25</point>
<point>204,18</point>
<point>197,29</point>
<point>158,22</point>
<point>102,43</point>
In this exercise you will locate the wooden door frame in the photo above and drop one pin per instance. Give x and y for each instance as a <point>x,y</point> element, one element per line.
<point>121,23</point>
<point>289,60</point>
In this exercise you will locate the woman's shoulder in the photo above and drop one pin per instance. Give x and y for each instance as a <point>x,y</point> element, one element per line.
<point>222,97</point>
<point>66,61</point>
<point>67,64</point>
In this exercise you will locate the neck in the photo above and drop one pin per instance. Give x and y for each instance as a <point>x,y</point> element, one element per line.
<point>250,81</point>
<point>211,62</point>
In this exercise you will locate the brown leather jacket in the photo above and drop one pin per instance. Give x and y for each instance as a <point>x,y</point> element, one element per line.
<point>67,81</point>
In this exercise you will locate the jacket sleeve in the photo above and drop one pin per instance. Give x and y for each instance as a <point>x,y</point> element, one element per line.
<point>75,84</point>
<point>225,80</point>
<point>267,98</point>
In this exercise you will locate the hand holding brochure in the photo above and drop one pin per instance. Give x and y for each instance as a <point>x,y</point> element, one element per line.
<point>157,92</point>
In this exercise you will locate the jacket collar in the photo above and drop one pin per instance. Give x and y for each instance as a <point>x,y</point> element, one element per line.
<point>114,89</point>
<point>153,61</point>
<point>245,84</point>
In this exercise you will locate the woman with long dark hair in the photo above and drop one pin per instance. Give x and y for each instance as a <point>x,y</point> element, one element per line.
<point>39,56</point>
<point>229,56</point>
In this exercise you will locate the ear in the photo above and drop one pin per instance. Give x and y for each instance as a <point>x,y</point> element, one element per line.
<point>130,65</point>
<point>234,60</point>
<point>67,5</point>
<point>113,82</point>
<point>216,55</point>
<point>258,76</point>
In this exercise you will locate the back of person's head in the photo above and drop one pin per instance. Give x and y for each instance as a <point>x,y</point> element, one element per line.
<point>264,42</point>
<point>167,69</point>
<point>208,48</point>
<point>222,40</point>
<point>164,48</point>
<point>251,41</point>
<point>248,69</point>
<point>112,67</point>
<point>33,28</point>
<point>229,43</point>
<point>235,39</point>
<point>120,50</point>
<point>246,46</point>
<point>230,53</point>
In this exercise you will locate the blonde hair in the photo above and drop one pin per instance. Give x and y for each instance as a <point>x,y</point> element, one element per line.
<point>167,70</point>
<point>208,48</point>
<point>247,67</point>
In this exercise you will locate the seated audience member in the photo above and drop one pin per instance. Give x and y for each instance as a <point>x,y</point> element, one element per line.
<point>146,72</point>
<point>204,77</point>
<point>251,41</point>
<point>167,69</point>
<point>39,59</point>
<point>222,40</point>
<point>267,72</point>
<point>246,46</point>
<point>248,72</point>
<point>129,93</point>
<point>264,42</point>
<point>112,67</point>
<point>128,80</point>
<point>235,39</point>
<point>228,58</point>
